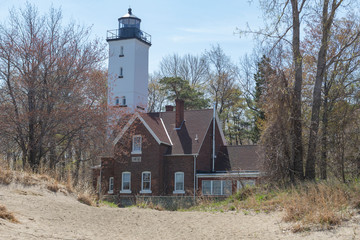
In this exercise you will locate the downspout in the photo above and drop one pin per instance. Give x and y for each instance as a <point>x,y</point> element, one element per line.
<point>213,141</point>
<point>195,178</point>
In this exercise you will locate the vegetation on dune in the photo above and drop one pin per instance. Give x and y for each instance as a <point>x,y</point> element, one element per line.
<point>320,205</point>
<point>5,214</point>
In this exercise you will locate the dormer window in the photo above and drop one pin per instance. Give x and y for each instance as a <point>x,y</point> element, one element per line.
<point>121,73</point>
<point>136,144</point>
<point>121,51</point>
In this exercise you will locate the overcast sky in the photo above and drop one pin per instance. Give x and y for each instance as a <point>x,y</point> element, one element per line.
<point>175,26</point>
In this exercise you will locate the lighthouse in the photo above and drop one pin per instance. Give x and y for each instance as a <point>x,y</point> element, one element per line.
<point>128,64</point>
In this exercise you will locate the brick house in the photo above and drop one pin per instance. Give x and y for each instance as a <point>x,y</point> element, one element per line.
<point>170,153</point>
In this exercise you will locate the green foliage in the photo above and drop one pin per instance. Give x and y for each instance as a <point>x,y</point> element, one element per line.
<point>178,88</point>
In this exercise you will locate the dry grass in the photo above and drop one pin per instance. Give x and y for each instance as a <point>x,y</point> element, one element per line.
<point>6,176</point>
<point>5,214</point>
<point>324,204</point>
<point>53,187</point>
<point>86,199</point>
<point>312,205</point>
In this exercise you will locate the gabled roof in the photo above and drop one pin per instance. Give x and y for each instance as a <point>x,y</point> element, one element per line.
<point>243,157</point>
<point>187,140</point>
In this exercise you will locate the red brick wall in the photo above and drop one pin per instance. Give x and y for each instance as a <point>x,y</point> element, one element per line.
<point>107,172</point>
<point>175,164</point>
<point>151,160</point>
<point>204,161</point>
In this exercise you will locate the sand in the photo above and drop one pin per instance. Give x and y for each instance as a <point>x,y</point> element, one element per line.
<point>46,215</point>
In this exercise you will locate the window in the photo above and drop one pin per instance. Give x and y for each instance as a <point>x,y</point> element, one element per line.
<point>217,187</point>
<point>179,182</point>
<point>117,101</point>
<point>126,183</point>
<point>111,185</point>
<point>136,159</point>
<point>123,101</point>
<point>121,51</point>
<point>121,73</point>
<point>136,144</point>
<point>245,183</point>
<point>146,182</point>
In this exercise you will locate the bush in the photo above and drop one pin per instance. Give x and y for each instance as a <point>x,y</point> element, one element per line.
<point>86,199</point>
<point>6,176</point>
<point>53,187</point>
<point>5,214</point>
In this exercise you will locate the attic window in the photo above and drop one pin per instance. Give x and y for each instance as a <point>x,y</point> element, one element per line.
<point>136,144</point>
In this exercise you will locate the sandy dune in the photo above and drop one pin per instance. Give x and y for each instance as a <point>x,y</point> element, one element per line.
<point>45,215</point>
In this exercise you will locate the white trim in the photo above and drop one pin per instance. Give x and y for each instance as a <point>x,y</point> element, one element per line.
<point>151,131</point>
<point>178,192</point>
<point>111,185</point>
<point>122,183</point>
<point>145,191</point>
<point>142,183</point>
<point>133,144</point>
<point>128,124</point>
<point>137,115</point>
<point>224,175</point>
<point>167,134</point>
<point>220,129</point>
<point>183,183</point>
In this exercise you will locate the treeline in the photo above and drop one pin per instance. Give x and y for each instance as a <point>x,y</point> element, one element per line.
<point>297,95</point>
<point>203,81</point>
<point>52,94</point>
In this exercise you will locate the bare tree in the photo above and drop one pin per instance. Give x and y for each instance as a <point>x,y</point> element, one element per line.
<point>52,83</point>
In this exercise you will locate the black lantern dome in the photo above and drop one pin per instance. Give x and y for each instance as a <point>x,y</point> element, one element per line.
<point>129,20</point>
<point>129,27</point>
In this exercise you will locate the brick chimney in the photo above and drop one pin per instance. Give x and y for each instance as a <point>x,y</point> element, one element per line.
<point>169,108</point>
<point>179,112</point>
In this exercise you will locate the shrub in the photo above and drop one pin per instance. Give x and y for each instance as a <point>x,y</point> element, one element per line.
<point>6,176</point>
<point>53,187</point>
<point>5,214</point>
<point>86,199</point>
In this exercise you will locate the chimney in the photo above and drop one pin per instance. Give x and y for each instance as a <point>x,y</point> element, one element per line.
<point>169,108</point>
<point>179,113</point>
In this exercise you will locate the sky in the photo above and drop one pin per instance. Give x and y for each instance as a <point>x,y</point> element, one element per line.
<point>179,27</point>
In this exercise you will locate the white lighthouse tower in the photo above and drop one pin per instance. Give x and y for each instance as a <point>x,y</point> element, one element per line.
<point>128,64</point>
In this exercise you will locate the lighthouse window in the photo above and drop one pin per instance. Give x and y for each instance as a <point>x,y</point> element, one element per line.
<point>123,101</point>
<point>121,51</point>
<point>121,73</point>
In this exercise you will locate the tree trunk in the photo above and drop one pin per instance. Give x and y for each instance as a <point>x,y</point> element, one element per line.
<point>323,161</point>
<point>297,172</point>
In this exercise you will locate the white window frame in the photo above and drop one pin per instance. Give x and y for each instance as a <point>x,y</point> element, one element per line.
<point>136,151</point>
<point>111,185</point>
<point>222,182</point>
<point>179,191</point>
<point>142,183</point>
<point>122,183</point>
<point>117,101</point>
